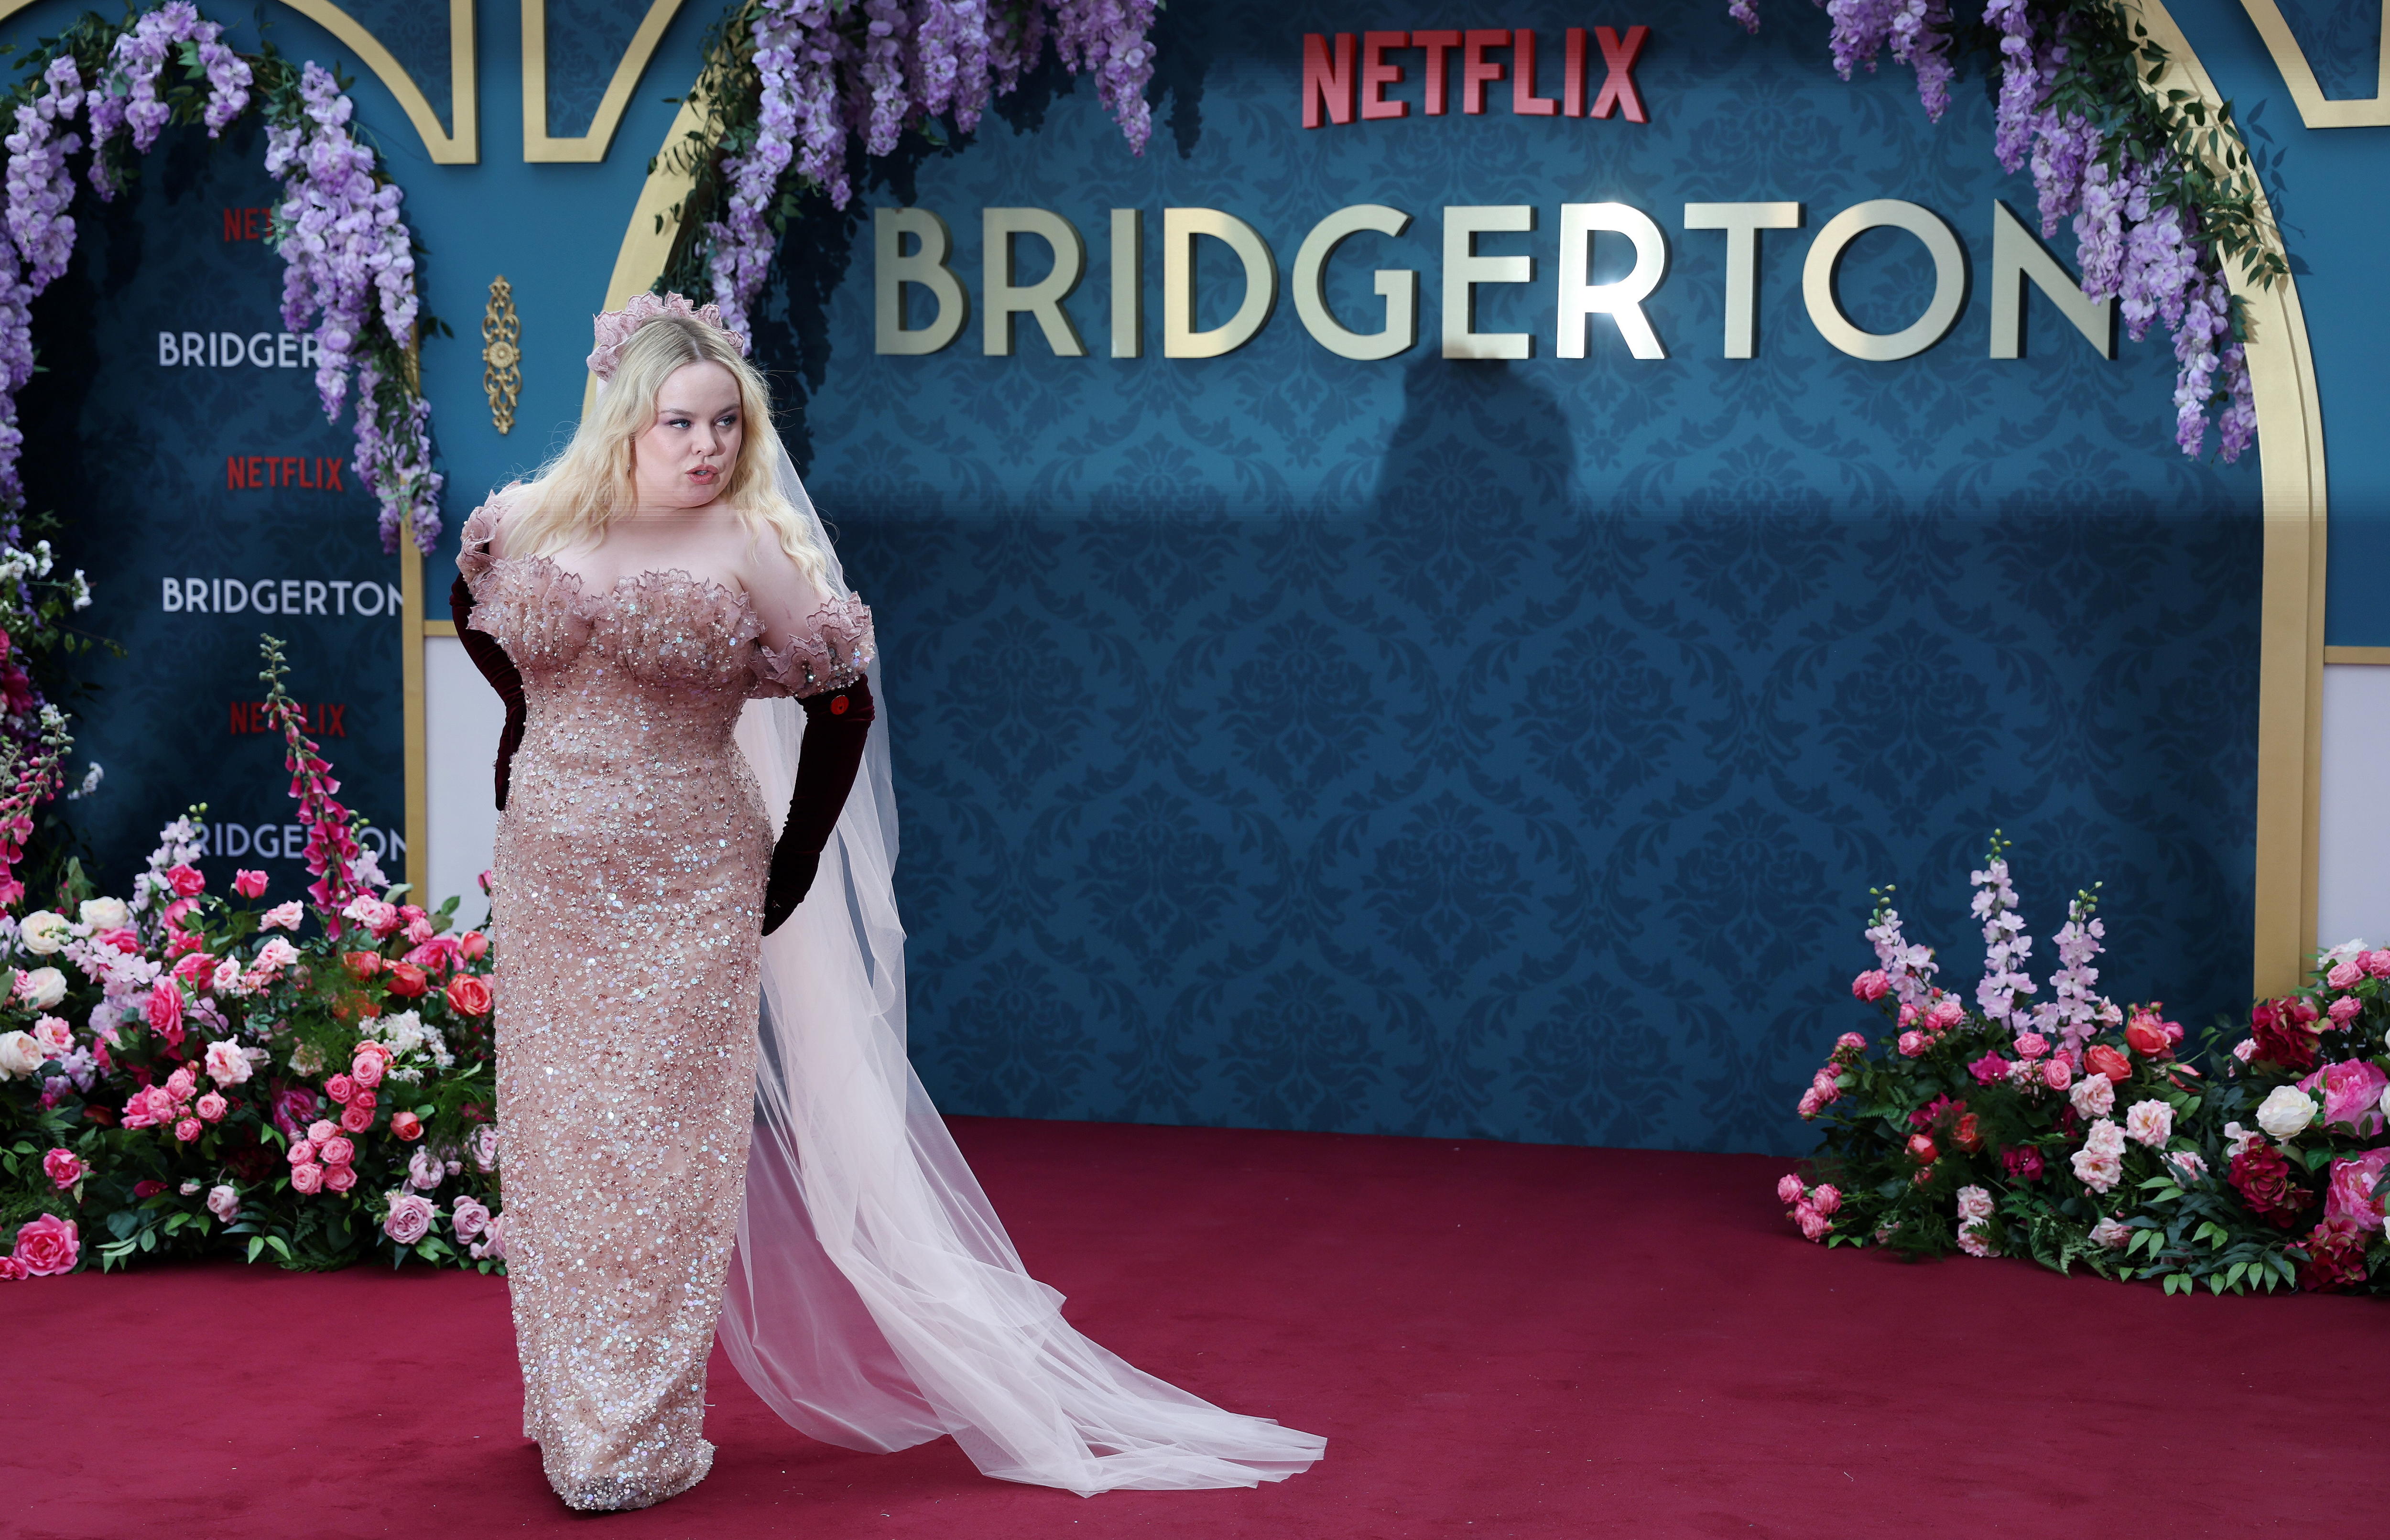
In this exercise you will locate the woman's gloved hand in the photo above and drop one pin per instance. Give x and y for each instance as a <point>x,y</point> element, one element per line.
<point>837,724</point>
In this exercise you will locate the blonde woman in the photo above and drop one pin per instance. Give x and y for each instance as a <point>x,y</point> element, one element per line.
<point>681,661</point>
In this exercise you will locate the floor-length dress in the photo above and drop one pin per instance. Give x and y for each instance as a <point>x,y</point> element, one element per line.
<point>627,885</point>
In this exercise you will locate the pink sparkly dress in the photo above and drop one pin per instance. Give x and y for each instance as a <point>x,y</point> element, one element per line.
<point>628,884</point>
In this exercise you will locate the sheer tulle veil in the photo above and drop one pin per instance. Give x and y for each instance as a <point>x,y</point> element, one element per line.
<point>875,1301</point>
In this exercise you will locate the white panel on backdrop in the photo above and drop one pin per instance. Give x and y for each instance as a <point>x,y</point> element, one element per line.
<point>462,718</point>
<point>2353,875</point>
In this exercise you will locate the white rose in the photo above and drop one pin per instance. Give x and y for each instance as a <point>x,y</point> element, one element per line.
<point>2093,1095</point>
<point>2108,1232</point>
<point>42,988</point>
<point>2286,1112</point>
<point>19,1055</point>
<point>2149,1122</point>
<point>44,931</point>
<point>106,914</point>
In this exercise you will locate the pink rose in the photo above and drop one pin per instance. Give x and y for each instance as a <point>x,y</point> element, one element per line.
<point>365,1100</point>
<point>1827,1199</point>
<point>1912,1044</point>
<point>1990,1069</point>
<point>1788,1189</point>
<point>181,1084</point>
<point>470,1218</point>
<point>1808,1105</point>
<point>2057,1074</point>
<point>1872,985</point>
<point>1850,1042</point>
<point>300,1154</point>
<point>409,1220</point>
<point>2031,1044</point>
<point>307,1177</point>
<point>339,1178</point>
<point>492,1244</point>
<point>365,1071</point>
<point>419,930</point>
<point>2352,1094</point>
<point>188,1129</point>
<point>2377,963</point>
<point>165,1013</point>
<point>473,946</point>
<point>2350,1193</point>
<point>55,1036</point>
<point>1945,1015</point>
<point>355,1118</point>
<point>1813,1224</point>
<point>405,1126</point>
<point>340,1089</point>
<point>123,939</point>
<point>63,1167</point>
<point>320,1131</point>
<point>282,917</point>
<point>226,1065</point>
<point>11,1270</point>
<point>47,1246</point>
<point>186,880</point>
<point>211,1108</point>
<point>223,1202</point>
<point>194,969</point>
<point>2344,974</point>
<point>248,884</point>
<point>336,1150</point>
<point>2343,1009</point>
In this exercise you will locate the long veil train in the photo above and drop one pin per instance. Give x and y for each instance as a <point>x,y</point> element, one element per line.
<point>875,1301</point>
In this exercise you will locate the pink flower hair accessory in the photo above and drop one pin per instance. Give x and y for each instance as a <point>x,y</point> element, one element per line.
<point>617,326</point>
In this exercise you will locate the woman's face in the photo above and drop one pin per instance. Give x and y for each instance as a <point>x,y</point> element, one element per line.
<point>684,458</point>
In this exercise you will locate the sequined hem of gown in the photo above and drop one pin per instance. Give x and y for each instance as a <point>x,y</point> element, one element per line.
<point>627,889</point>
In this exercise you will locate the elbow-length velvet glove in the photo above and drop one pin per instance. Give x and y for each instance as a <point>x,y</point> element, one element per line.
<point>499,670</point>
<point>837,722</point>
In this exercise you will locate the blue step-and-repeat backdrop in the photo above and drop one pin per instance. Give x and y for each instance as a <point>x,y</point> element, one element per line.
<point>1498,737</point>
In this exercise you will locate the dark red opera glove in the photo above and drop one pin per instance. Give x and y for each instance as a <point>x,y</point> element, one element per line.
<point>837,724</point>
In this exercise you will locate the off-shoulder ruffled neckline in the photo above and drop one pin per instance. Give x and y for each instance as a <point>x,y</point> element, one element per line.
<point>738,596</point>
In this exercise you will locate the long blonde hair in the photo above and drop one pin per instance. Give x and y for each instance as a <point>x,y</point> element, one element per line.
<point>589,486</point>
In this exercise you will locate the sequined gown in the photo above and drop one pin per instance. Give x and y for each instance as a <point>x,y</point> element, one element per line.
<point>626,891</point>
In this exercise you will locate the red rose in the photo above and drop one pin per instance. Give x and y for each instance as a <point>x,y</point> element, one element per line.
<point>2105,1061</point>
<point>407,980</point>
<point>1966,1133</point>
<point>1923,1147</point>
<point>2335,1255</point>
<point>469,995</point>
<point>2281,1038</point>
<point>361,965</point>
<point>2146,1039</point>
<point>145,1188</point>
<point>2262,1179</point>
<point>407,1127</point>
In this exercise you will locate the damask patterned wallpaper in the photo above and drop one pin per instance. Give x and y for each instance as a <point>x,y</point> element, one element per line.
<point>1507,749</point>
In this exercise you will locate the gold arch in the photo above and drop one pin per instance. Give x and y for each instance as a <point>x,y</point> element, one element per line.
<point>2316,109</point>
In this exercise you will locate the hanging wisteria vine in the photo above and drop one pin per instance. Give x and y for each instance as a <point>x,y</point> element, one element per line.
<point>793,86</point>
<point>348,286</point>
<point>2158,186</point>
<point>348,279</point>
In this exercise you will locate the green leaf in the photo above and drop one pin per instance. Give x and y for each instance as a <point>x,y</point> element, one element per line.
<point>281,1245</point>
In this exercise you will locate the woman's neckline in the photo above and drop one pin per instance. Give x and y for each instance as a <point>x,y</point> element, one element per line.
<point>682,574</point>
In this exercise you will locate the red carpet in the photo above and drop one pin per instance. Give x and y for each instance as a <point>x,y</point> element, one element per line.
<point>1497,1341</point>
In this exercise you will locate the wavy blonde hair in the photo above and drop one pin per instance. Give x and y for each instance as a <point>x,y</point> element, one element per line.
<point>582,490</point>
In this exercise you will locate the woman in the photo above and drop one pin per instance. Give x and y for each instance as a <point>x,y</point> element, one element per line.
<point>662,614</point>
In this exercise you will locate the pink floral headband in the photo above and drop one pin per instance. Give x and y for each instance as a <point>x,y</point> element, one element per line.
<point>616,327</point>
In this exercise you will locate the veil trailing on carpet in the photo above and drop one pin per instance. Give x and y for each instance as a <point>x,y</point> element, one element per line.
<point>875,1301</point>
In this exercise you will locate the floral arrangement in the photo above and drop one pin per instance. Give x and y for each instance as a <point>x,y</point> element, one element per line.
<point>2074,1131</point>
<point>2159,188</point>
<point>349,279</point>
<point>791,86</point>
<point>189,1073</point>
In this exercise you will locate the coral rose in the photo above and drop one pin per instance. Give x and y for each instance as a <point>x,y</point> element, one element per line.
<point>470,996</point>
<point>248,884</point>
<point>63,1167</point>
<point>361,965</point>
<point>47,1246</point>
<point>409,1219</point>
<point>407,981</point>
<point>473,946</point>
<point>405,1126</point>
<point>1920,1150</point>
<point>307,1178</point>
<point>2105,1061</point>
<point>2148,1039</point>
<point>339,1178</point>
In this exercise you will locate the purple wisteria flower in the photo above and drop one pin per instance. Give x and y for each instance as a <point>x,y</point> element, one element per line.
<point>2146,254</point>
<point>827,72</point>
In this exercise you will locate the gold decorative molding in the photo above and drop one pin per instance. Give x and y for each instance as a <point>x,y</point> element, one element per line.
<point>2377,656</point>
<point>647,242</point>
<point>461,148</point>
<point>501,355</point>
<point>417,744</point>
<point>2290,650</point>
<point>2316,109</point>
<point>538,144</point>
